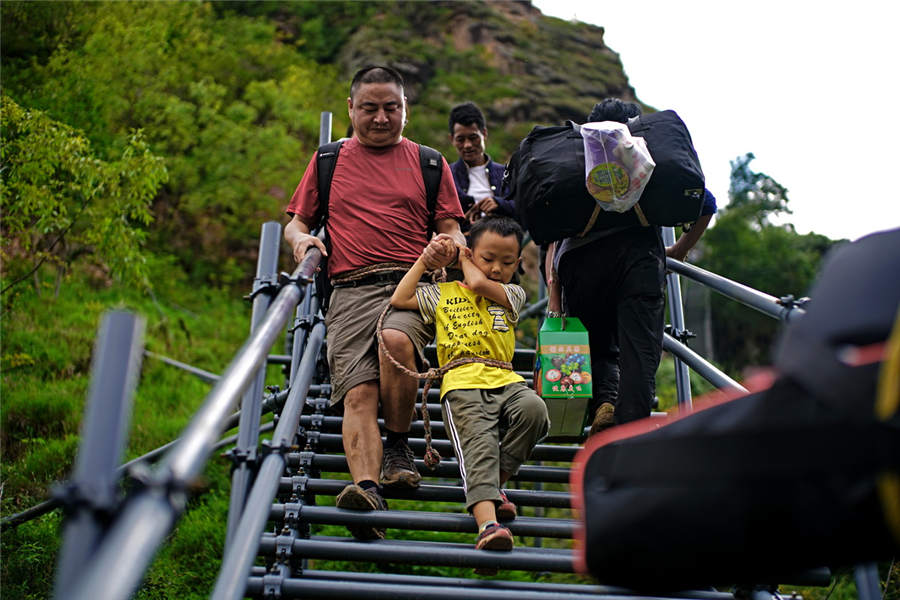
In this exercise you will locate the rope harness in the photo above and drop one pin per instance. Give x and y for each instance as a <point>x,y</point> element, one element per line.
<point>377,269</point>
<point>432,457</point>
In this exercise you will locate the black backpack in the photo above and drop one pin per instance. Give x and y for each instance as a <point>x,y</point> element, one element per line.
<point>545,178</point>
<point>758,488</point>
<point>674,193</point>
<point>430,160</point>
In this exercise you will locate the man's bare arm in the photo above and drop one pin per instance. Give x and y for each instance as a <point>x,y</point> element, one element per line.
<point>679,249</point>
<point>297,235</point>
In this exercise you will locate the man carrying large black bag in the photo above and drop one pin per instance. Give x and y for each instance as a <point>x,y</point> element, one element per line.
<point>612,278</point>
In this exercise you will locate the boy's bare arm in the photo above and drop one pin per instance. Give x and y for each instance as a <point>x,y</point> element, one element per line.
<point>479,283</point>
<point>405,293</point>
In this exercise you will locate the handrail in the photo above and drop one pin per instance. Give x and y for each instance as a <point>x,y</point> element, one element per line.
<point>764,303</point>
<point>147,518</point>
<point>239,556</point>
<point>700,365</point>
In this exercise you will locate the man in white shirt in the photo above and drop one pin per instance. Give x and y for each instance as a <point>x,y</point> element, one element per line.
<point>478,179</point>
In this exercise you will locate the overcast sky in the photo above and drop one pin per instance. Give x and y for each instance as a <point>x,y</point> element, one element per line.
<point>810,88</point>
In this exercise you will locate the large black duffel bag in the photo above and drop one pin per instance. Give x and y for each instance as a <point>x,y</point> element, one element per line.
<point>802,473</point>
<point>545,178</point>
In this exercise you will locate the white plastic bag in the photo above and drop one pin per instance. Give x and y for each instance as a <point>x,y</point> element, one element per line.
<point>617,165</point>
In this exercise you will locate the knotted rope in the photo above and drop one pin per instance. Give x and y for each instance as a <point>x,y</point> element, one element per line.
<point>362,273</point>
<point>432,457</point>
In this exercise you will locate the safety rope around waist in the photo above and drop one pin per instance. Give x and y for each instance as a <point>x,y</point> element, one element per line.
<point>376,269</point>
<point>432,457</point>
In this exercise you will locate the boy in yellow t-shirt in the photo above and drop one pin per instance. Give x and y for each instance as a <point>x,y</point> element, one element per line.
<point>474,318</point>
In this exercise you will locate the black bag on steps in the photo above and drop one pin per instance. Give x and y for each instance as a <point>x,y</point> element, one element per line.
<point>801,474</point>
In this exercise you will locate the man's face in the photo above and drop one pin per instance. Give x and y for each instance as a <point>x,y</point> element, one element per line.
<point>469,142</point>
<point>378,113</point>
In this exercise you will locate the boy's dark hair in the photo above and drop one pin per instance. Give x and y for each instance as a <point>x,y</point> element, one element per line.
<point>466,114</point>
<point>613,109</point>
<point>502,226</point>
<point>375,74</point>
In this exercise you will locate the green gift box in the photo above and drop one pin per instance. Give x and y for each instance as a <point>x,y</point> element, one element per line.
<point>563,375</point>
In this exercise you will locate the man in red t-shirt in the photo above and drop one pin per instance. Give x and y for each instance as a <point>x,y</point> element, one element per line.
<point>378,221</point>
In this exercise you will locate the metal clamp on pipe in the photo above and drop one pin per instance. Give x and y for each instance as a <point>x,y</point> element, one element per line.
<point>282,447</point>
<point>263,285</point>
<point>682,335</point>
<point>239,457</point>
<point>72,498</point>
<point>161,481</point>
<point>790,303</point>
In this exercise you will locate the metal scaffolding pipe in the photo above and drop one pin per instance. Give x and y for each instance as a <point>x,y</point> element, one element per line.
<point>764,303</point>
<point>328,584</point>
<point>334,441</point>
<point>131,543</point>
<point>423,521</point>
<point>676,318</point>
<point>204,375</point>
<point>533,309</point>
<point>115,370</point>
<point>545,588</point>
<point>54,503</point>
<point>431,493</point>
<point>424,553</point>
<point>330,463</point>
<point>244,453</point>
<point>699,364</point>
<point>239,556</point>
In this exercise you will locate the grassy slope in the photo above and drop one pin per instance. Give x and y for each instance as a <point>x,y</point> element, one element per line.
<point>47,344</point>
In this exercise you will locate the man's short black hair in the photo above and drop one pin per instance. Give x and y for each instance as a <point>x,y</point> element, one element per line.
<point>375,74</point>
<point>502,226</point>
<point>467,114</point>
<point>613,109</point>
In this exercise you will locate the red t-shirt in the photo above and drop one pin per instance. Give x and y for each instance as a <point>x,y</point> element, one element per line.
<point>377,210</point>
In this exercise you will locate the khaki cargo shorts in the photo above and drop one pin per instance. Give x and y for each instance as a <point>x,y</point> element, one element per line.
<point>352,346</point>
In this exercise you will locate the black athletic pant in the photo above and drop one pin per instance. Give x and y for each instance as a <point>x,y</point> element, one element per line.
<point>615,286</point>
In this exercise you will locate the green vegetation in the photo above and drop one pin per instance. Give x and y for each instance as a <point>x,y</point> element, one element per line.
<point>745,246</point>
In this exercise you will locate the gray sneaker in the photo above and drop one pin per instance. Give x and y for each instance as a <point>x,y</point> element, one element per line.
<point>354,497</point>
<point>398,468</point>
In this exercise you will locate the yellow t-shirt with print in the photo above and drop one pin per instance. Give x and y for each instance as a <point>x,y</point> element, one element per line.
<point>471,325</point>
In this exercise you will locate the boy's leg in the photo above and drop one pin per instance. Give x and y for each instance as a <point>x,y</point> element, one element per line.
<point>471,423</point>
<point>524,415</point>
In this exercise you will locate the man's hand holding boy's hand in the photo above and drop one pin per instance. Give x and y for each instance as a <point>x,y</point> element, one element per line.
<point>440,252</point>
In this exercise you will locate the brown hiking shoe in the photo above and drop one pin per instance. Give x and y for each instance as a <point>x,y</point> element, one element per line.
<point>497,538</point>
<point>398,467</point>
<point>354,497</point>
<point>603,419</point>
<point>506,511</point>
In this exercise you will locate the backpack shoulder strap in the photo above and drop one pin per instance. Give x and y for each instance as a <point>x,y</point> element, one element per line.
<point>431,162</point>
<point>326,159</point>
